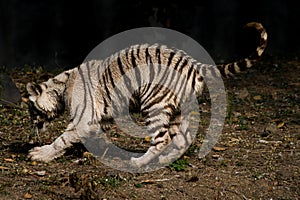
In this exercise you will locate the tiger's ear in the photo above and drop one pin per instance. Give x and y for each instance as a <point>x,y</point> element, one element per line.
<point>33,89</point>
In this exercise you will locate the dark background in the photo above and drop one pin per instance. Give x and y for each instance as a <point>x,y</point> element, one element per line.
<point>60,34</point>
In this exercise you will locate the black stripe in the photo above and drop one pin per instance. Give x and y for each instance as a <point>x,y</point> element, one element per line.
<point>161,134</point>
<point>194,79</point>
<point>152,94</point>
<point>167,126</point>
<point>149,96</point>
<point>157,54</point>
<point>107,90</point>
<point>231,68</point>
<point>172,97</point>
<point>145,89</point>
<point>170,105</point>
<point>148,56</point>
<point>120,65</point>
<point>154,101</point>
<point>127,80</point>
<point>165,94</point>
<point>158,99</point>
<point>174,75</point>
<point>110,77</point>
<point>185,62</point>
<point>127,51</point>
<point>177,63</point>
<point>64,141</point>
<point>56,93</point>
<point>221,68</point>
<point>44,84</point>
<point>104,77</point>
<point>171,56</point>
<point>242,65</point>
<point>98,71</point>
<point>138,52</point>
<point>37,88</point>
<point>190,71</point>
<point>169,114</point>
<point>133,62</point>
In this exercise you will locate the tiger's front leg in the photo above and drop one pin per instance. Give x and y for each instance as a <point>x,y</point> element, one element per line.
<point>47,153</point>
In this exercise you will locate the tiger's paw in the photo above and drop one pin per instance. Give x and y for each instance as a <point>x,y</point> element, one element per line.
<point>44,153</point>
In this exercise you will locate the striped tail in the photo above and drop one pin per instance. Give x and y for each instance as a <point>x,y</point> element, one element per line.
<point>230,69</point>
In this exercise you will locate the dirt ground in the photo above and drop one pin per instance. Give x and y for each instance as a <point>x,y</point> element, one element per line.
<point>256,157</point>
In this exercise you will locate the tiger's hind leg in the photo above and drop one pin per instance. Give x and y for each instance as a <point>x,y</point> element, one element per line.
<point>169,143</point>
<point>181,140</point>
<point>160,140</point>
<point>167,130</point>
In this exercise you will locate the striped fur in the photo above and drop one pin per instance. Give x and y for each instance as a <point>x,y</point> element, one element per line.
<point>91,91</point>
<point>230,69</point>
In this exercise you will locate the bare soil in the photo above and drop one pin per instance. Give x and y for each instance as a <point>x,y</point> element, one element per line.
<point>256,157</point>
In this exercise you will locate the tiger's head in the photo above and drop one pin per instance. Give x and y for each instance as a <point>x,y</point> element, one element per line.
<point>46,102</point>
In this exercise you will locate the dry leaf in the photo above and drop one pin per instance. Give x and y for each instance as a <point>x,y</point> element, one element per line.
<point>257,98</point>
<point>155,180</point>
<point>215,156</point>
<point>234,139</point>
<point>25,171</point>
<point>34,163</point>
<point>114,138</point>
<point>27,196</point>
<point>219,148</point>
<point>4,168</point>
<point>147,138</point>
<point>8,160</point>
<point>263,141</point>
<point>25,100</point>
<point>87,154</point>
<point>40,173</point>
<point>194,113</point>
<point>280,125</point>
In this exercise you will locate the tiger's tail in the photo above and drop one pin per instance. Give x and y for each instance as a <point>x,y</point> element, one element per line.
<point>230,69</point>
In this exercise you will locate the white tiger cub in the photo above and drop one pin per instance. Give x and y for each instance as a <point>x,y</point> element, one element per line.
<point>86,93</point>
